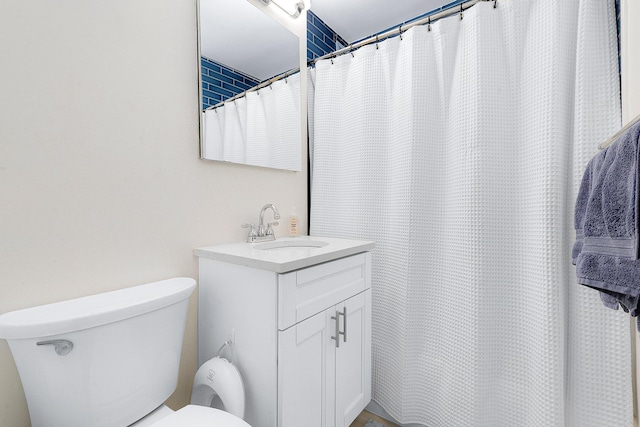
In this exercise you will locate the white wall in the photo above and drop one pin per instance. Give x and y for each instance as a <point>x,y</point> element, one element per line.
<point>101,186</point>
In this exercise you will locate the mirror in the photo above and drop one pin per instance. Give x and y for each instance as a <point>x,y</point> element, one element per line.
<point>241,47</point>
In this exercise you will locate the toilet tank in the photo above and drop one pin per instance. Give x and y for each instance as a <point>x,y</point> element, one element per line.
<point>123,360</point>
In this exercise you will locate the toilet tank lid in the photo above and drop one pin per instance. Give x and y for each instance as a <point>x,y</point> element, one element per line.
<point>94,310</point>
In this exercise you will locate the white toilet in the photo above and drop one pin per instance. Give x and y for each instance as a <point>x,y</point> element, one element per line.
<point>112,360</point>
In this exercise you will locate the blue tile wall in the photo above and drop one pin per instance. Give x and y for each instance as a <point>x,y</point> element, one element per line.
<point>221,82</point>
<point>321,39</point>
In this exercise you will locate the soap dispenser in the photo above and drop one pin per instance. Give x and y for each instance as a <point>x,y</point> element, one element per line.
<point>294,229</point>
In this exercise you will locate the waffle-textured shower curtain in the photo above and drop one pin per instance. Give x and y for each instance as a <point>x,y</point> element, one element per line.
<point>261,128</point>
<point>459,151</point>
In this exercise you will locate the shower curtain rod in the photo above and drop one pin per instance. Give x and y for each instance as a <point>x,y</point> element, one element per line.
<point>256,88</point>
<point>459,8</point>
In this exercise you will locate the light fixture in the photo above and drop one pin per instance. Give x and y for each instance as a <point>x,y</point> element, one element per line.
<point>292,7</point>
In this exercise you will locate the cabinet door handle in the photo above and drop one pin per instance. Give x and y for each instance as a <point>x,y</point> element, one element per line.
<point>344,315</point>
<point>338,333</point>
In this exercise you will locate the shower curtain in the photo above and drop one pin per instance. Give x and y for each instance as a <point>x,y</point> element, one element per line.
<point>261,128</point>
<point>459,151</point>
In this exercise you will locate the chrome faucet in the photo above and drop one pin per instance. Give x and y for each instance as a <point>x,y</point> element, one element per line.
<point>263,233</point>
<point>269,231</point>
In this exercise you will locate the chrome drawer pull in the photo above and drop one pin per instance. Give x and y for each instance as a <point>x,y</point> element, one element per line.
<point>344,314</point>
<point>338,333</point>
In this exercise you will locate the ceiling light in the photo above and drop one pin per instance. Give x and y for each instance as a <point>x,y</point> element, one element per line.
<point>292,7</point>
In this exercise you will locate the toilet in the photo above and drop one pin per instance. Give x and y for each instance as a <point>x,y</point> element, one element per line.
<point>112,359</point>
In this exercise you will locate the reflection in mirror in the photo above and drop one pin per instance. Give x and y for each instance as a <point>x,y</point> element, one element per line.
<point>241,125</point>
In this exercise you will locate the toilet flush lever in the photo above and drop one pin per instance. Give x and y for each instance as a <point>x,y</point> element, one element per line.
<point>62,347</point>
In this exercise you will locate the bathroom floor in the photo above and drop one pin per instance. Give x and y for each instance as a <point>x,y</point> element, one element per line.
<point>366,416</point>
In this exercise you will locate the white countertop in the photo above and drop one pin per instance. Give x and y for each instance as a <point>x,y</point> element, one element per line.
<point>282,260</point>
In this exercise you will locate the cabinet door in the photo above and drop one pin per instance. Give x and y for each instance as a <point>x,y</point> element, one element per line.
<point>353,359</point>
<point>306,369</point>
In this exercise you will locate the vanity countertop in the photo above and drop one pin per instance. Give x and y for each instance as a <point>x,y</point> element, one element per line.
<point>285,254</point>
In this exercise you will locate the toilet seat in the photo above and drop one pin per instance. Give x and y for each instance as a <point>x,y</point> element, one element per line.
<point>219,379</point>
<point>200,416</point>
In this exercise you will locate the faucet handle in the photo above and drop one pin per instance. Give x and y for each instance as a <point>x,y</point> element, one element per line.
<point>269,231</point>
<point>252,236</point>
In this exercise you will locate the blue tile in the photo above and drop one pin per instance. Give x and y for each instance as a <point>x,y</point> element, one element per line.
<point>230,73</point>
<point>219,76</point>
<point>232,88</point>
<point>207,63</point>
<point>219,92</point>
<point>311,17</point>
<point>320,37</point>
<point>236,75</point>
<point>207,94</point>
<point>211,81</point>
<point>322,45</point>
<point>315,31</point>
<point>250,81</point>
<point>245,86</point>
<point>330,40</point>
<point>315,49</point>
<point>322,28</point>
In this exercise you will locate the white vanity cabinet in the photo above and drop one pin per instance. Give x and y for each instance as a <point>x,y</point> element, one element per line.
<point>302,338</point>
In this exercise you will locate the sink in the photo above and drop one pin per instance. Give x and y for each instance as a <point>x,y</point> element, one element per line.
<point>290,244</point>
<point>286,253</point>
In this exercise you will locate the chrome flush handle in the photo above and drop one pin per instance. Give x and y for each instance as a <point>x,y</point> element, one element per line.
<point>62,347</point>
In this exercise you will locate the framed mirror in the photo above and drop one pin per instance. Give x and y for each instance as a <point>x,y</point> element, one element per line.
<point>250,115</point>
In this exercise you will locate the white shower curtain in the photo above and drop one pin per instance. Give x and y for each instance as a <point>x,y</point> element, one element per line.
<point>261,129</point>
<point>459,151</point>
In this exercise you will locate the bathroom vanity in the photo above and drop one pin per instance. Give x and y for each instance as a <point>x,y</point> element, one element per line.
<point>298,311</point>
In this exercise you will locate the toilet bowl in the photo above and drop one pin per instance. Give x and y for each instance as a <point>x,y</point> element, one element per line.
<point>112,359</point>
<point>191,416</point>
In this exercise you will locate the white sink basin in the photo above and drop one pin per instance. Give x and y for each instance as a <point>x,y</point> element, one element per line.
<point>290,244</point>
<point>286,253</point>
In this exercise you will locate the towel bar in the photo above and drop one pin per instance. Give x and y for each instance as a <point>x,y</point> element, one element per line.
<point>616,135</point>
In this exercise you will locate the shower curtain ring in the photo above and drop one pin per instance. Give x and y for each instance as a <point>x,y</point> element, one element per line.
<point>429,24</point>
<point>495,4</point>
<point>400,31</point>
<point>461,12</point>
<point>377,37</point>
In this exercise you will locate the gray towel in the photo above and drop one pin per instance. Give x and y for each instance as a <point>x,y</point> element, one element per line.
<point>606,221</point>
